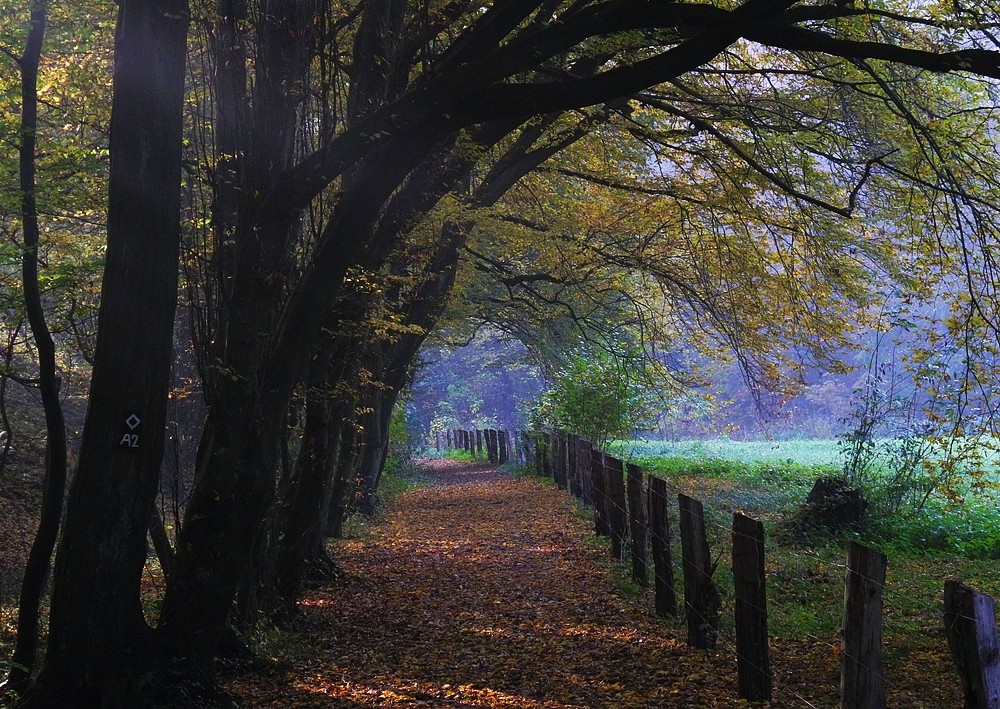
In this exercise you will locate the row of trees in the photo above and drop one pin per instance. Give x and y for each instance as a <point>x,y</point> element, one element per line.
<point>321,177</point>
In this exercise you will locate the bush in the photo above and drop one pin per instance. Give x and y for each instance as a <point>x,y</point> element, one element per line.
<point>596,397</point>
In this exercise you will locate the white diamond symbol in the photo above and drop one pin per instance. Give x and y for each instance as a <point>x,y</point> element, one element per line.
<point>133,421</point>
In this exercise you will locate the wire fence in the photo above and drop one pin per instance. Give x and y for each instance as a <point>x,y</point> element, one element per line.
<point>970,626</point>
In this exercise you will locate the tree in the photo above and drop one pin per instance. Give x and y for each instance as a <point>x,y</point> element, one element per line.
<point>37,568</point>
<point>102,555</point>
<point>51,272</point>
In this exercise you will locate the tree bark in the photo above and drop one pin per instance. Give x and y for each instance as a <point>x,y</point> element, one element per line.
<point>304,524</point>
<point>99,645</point>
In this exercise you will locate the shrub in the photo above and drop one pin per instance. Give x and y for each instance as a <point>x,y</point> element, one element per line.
<point>595,396</point>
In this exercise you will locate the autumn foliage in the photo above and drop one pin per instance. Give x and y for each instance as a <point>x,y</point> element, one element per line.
<point>486,590</point>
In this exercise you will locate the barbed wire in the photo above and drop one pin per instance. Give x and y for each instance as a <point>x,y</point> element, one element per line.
<point>611,505</point>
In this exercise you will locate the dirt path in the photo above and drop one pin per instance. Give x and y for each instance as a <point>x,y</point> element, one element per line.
<point>483,590</point>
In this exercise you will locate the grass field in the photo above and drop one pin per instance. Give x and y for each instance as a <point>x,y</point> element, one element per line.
<point>801,451</point>
<point>770,479</point>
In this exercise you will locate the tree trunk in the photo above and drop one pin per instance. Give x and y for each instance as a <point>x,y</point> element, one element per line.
<point>36,570</point>
<point>303,537</point>
<point>222,527</point>
<point>99,645</point>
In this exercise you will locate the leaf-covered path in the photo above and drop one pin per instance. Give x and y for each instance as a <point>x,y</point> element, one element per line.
<point>483,590</point>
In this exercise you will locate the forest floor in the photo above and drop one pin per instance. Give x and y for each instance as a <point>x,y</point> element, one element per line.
<point>482,589</point>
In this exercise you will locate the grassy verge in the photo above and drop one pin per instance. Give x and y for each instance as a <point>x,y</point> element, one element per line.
<point>805,584</point>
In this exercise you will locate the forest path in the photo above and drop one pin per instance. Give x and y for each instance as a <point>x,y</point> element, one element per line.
<point>484,590</point>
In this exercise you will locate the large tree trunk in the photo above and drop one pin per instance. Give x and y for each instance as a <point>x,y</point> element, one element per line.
<point>240,448</point>
<point>303,520</point>
<point>235,482</point>
<point>224,519</point>
<point>99,645</point>
<point>375,449</point>
<point>340,491</point>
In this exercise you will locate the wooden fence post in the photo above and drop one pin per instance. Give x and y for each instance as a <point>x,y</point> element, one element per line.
<point>701,597</point>
<point>564,441</point>
<point>574,482</point>
<point>492,451</point>
<point>970,624</point>
<point>617,512</point>
<point>599,477</point>
<point>862,683</point>
<point>503,447</point>
<point>752,663</point>
<point>583,471</point>
<point>528,443</point>
<point>659,539</point>
<point>559,459</point>
<point>638,532</point>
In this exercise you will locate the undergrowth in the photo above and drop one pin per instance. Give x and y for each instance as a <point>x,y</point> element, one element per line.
<point>772,490</point>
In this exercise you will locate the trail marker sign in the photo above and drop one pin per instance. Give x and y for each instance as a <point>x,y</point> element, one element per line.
<point>131,430</point>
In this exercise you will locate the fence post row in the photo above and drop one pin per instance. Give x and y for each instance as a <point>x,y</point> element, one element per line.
<point>753,666</point>
<point>701,598</point>
<point>624,513</point>
<point>970,624</point>
<point>500,446</point>
<point>862,682</point>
